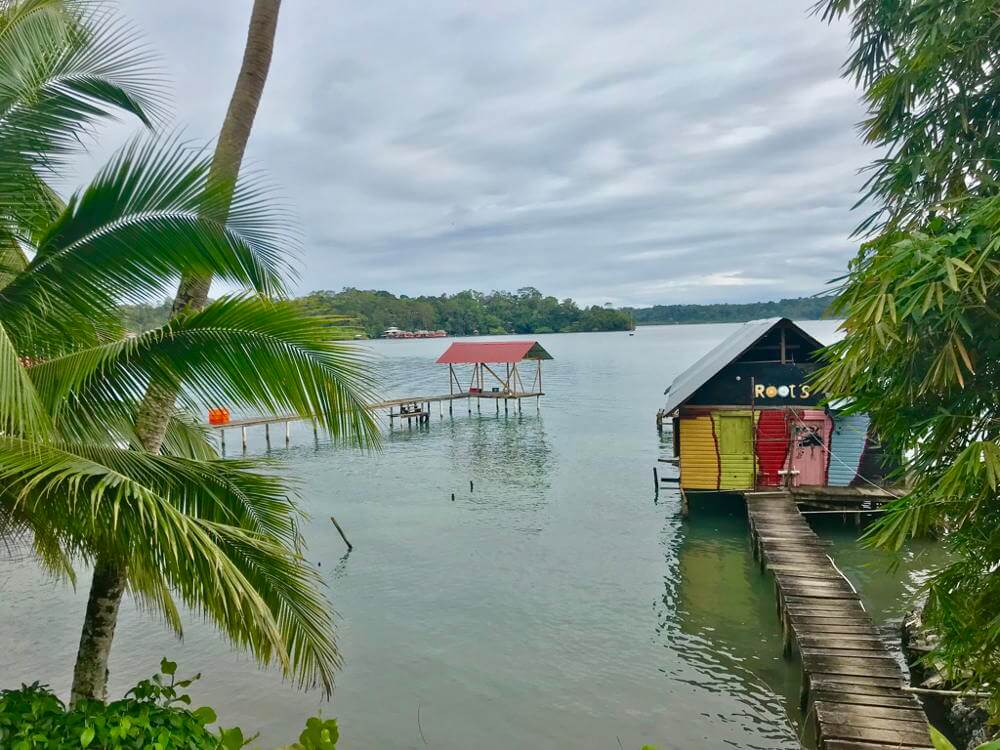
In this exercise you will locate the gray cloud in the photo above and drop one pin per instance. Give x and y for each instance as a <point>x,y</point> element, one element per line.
<point>633,152</point>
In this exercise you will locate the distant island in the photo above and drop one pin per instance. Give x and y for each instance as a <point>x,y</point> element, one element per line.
<point>526,310</point>
<point>796,308</point>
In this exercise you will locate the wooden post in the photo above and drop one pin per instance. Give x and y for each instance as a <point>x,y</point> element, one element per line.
<point>222,433</point>
<point>315,428</point>
<point>243,431</point>
<point>656,481</point>
<point>267,434</point>
<point>342,534</point>
<point>288,433</point>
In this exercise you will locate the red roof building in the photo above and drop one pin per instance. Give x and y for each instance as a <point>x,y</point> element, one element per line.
<point>486,382</point>
<point>493,352</point>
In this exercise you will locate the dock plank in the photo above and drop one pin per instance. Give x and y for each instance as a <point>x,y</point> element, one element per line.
<point>852,680</point>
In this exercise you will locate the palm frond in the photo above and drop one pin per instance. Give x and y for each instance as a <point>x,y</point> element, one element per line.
<point>249,353</point>
<point>63,66</point>
<point>145,219</point>
<point>220,535</point>
<point>21,410</point>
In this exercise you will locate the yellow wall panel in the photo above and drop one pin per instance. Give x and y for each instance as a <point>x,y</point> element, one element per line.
<point>734,434</point>
<point>699,455</point>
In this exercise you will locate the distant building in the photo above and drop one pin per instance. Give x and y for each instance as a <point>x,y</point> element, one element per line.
<point>395,333</point>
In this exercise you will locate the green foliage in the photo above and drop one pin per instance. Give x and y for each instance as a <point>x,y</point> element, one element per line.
<point>922,302</point>
<point>929,73</point>
<point>143,317</point>
<point>154,715</point>
<point>798,308</point>
<point>525,311</point>
<point>465,313</point>
<point>941,742</point>
<point>922,357</point>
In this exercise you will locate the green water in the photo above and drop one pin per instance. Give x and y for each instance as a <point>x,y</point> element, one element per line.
<point>556,605</point>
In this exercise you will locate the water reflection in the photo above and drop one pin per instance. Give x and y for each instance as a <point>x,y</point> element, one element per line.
<point>726,628</point>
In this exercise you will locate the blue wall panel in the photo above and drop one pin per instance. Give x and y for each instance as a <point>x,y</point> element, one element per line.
<point>846,446</point>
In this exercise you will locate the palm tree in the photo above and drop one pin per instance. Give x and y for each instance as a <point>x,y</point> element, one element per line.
<point>75,481</point>
<point>154,414</point>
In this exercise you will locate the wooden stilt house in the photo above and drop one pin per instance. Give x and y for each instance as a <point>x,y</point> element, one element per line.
<point>745,417</point>
<point>504,382</point>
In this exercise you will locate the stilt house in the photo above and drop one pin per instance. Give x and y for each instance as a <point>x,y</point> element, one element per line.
<point>745,416</point>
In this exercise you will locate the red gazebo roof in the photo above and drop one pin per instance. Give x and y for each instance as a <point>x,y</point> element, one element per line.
<point>471,352</point>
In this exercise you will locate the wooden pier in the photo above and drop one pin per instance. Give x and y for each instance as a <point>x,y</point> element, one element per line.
<point>852,686</point>
<point>410,408</point>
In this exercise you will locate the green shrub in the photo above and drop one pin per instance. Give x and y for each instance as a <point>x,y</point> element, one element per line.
<point>154,715</point>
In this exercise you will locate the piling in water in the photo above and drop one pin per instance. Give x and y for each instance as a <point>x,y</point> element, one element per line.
<point>342,534</point>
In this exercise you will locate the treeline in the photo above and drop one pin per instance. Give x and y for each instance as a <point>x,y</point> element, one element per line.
<point>525,311</point>
<point>466,313</point>
<point>139,318</point>
<point>796,308</point>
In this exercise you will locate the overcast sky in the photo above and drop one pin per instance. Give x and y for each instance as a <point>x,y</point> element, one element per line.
<point>631,152</point>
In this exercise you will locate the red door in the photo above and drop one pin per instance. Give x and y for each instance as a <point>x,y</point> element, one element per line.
<point>772,447</point>
<point>810,435</point>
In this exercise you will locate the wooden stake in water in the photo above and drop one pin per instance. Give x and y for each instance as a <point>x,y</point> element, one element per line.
<point>342,534</point>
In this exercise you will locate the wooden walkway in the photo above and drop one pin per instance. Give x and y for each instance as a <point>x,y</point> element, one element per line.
<point>389,404</point>
<point>422,415</point>
<point>851,684</point>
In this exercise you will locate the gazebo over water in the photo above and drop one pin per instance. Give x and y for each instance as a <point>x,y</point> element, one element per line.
<point>487,382</point>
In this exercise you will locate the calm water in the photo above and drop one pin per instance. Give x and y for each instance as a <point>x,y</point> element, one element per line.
<point>556,605</point>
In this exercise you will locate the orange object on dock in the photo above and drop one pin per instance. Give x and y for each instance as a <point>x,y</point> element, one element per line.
<point>218,416</point>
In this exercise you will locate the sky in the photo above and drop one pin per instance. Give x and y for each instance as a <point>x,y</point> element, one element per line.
<point>632,152</point>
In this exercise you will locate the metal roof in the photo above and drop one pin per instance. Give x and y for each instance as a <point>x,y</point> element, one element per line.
<point>471,352</point>
<point>727,351</point>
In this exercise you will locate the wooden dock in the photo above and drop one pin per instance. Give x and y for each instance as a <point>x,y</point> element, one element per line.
<point>394,406</point>
<point>852,686</point>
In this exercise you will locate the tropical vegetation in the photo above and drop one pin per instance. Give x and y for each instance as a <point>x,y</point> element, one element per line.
<point>797,308</point>
<point>525,311</point>
<point>88,475</point>
<point>921,303</point>
<point>153,715</point>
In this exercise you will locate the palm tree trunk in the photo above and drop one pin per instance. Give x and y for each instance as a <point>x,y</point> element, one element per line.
<point>193,290</point>
<point>90,676</point>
